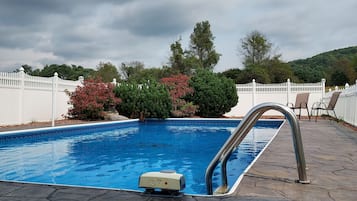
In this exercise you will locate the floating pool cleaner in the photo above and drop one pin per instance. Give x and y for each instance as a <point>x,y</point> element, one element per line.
<point>168,182</point>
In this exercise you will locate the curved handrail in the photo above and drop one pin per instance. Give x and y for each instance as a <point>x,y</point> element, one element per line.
<point>243,129</point>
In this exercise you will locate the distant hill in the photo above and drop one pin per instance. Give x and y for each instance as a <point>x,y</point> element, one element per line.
<point>337,66</point>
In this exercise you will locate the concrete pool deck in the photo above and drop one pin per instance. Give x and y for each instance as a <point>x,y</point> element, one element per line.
<point>331,159</point>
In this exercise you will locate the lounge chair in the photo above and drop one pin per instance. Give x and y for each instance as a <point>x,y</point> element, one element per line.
<point>322,106</point>
<point>301,103</point>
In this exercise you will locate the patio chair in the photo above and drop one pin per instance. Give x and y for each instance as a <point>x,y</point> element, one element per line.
<point>301,103</point>
<point>322,106</point>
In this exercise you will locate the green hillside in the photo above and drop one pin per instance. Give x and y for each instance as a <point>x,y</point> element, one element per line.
<point>337,66</point>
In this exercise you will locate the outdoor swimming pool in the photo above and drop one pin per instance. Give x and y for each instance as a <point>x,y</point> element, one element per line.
<point>114,155</point>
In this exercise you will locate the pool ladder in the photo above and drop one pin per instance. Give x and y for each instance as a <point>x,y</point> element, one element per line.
<point>239,134</point>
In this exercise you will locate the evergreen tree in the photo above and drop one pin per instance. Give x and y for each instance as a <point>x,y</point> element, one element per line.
<point>145,100</point>
<point>214,94</point>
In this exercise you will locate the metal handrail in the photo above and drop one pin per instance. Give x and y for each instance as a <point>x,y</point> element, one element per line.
<point>243,129</point>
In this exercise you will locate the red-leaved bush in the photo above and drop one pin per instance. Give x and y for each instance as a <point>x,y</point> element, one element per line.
<point>178,86</point>
<point>90,100</point>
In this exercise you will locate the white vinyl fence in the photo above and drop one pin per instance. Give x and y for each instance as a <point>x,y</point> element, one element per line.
<point>253,93</point>
<point>25,98</point>
<point>346,106</point>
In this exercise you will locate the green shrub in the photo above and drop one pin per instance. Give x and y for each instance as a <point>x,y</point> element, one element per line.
<point>150,99</point>
<point>214,94</point>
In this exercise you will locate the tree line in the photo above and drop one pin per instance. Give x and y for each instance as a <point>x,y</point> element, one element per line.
<point>337,66</point>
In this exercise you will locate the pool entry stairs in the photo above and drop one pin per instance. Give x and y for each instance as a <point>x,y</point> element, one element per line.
<point>239,134</point>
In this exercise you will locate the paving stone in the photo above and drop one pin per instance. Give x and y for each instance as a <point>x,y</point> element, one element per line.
<point>119,195</point>
<point>343,194</point>
<point>32,191</point>
<point>258,191</point>
<point>22,199</point>
<point>7,187</point>
<point>203,198</point>
<point>83,194</point>
<point>248,198</point>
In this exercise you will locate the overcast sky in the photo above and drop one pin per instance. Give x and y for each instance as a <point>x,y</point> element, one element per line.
<point>86,32</point>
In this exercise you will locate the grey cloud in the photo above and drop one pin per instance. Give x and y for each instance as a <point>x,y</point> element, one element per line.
<point>33,12</point>
<point>154,20</point>
<point>17,38</point>
<point>28,13</point>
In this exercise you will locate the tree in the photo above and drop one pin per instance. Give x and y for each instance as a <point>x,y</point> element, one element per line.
<point>214,94</point>
<point>354,63</point>
<point>309,74</point>
<point>64,71</point>
<point>232,74</point>
<point>27,69</point>
<point>202,47</point>
<point>260,74</point>
<point>149,99</point>
<point>279,71</point>
<point>90,100</point>
<point>178,60</point>
<point>256,49</point>
<point>260,63</point>
<point>135,72</point>
<point>107,72</point>
<point>129,69</point>
<point>257,73</point>
<point>342,72</point>
<point>338,78</point>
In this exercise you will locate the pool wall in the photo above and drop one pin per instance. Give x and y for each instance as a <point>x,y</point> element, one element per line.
<point>72,128</point>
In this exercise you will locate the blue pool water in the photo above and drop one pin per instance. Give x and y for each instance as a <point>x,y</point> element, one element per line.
<point>115,155</point>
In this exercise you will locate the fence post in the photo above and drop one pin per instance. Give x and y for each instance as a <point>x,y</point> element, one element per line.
<point>323,85</point>
<point>355,101</point>
<point>254,85</point>
<point>54,97</point>
<point>347,86</point>
<point>288,92</point>
<point>81,79</point>
<point>21,95</point>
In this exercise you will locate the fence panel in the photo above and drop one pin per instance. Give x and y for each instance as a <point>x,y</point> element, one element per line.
<point>10,80</point>
<point>254,93</point>
<point>346,106</point>
<point>38,83</point>
<point>26,98</point>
